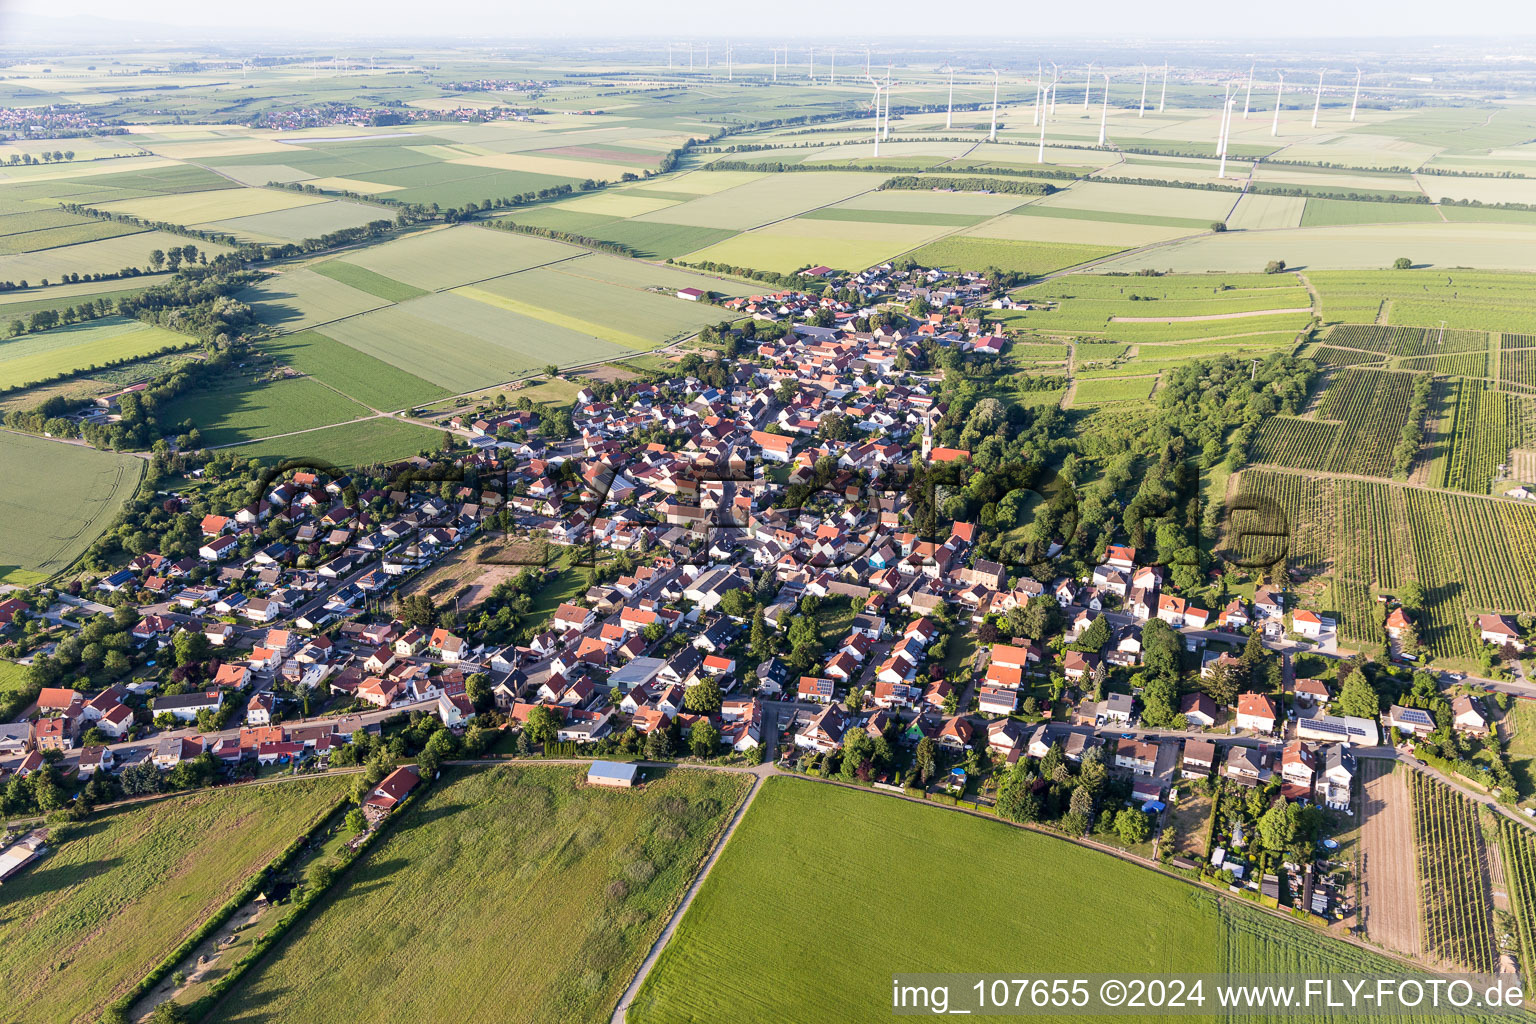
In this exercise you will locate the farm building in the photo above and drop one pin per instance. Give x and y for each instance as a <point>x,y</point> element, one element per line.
<point>612,773</point>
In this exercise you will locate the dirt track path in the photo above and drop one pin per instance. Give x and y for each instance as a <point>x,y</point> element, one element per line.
<point>1204,317</point>
<point>1389,904</point>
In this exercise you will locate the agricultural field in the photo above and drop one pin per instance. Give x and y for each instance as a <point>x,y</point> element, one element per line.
<point>607,867</point>
<point>1453,883</point>
<point>461,344</point>
<point>359,443</point>
<point>364,280</point>
<point>243,409</point>
<point>1469,554</point>
<point>372,382</point>
<point>1107,390</point>
<point>105,255</point>
<point>296,223</point>
<point>788,245</point>
<point>61,498</point>
<point>1372,407</point>
<point>449,257</point>
<point>1472,300</point>
<point>1289,441</point>
<point>1517,846</point>
<point>198,208</point>
<point>1355,247</point>
<point>44,355</point>
<point>798,835</point>
<point>121,891</point>
<point>302,298</point>
<point>969,252</point>
<point>1518,366</point>
<point>1487,425</point>
<point>1330,212</point>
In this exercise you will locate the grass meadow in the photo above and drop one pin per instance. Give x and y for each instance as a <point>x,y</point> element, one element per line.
<point>862,886</point>
<point>521,892</point>
<point>121,890</point>
<point>965,252</point>
<point>244,409</point>
<point>57,500</point>
<point>36,357</point>
<point>371,381</point>
<point>360,443</point>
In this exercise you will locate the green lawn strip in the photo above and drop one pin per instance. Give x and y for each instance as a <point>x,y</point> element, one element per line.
<point>367,281</point>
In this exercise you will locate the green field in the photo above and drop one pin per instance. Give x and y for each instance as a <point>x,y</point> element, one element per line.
<point>462,344</point>
<point>120,891</point>
<point>296,299</point>
<point>300,222</point>
<point>243,410</point>
<point>557,890</point>
<point>799,869</point>
<point>48,354</point>
<point>378,285</point>
<point>58,499</point>
<point>103,256</point>
<point>362,443</point>
<point>1465,299</point>
<point>1328,212</point>
<point>460,255</point>
<point>1101,391</point>
<point>971,253</point>
<point>370,381</point>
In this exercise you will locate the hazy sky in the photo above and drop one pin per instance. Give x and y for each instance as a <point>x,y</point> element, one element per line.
<point>680,19</point>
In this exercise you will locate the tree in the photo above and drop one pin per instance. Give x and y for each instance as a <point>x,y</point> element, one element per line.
<point>1161,649</point>
<point>924,760</point>
<point>1357,698</point>
<point>1095,636</point>
<point>1402,263</point>
<point>356,821</point>
<point>787,390</point>
<point>761,640</point>
<point>551,370</point>
<point>736,603</point>
<point>704,740</point>
<point>1272,267</point>
<point>658,745</point>
<point>1218,226</point>
<point>541,726</point>
<point>140,779</point>
<point>478,689</point>
<point>1132,827</point>
<point>443,746</point>
<point>169,1012</point>
<point>156,259</point>
<point>191,646</point>
<point>1081,801</point>
<point>703,697</point>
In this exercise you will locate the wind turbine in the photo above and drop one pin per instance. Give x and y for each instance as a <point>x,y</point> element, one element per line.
<point>690,56</point>
<point>949,116</point>
<point>1039,87</point>
<point>810,71</point>
<point>706,56</point>
<point>832,80</point>
<point>1040,159</point>
<point>1317,104</point>
<point>1356,103</point>
<point>886,131</point>
<point>1221,132</point>
<point>1249,94</point>
<point>992,137</point>
<point>1088,87</point>
<point>877,112</point>
<point>669,56</point>
<point>1143,111</point>
<point>1104,113</point>
<point>1055,77</point>
<point>1164,98</point>
<point>1274,129</point>
<point>775,54</point>
<point>730,68</point>
<point>866,63</point>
